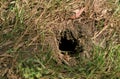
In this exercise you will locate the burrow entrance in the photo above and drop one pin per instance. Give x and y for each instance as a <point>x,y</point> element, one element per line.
<point>68,42</point>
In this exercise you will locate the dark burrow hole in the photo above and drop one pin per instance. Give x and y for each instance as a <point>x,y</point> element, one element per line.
<point>67,41</point>
<point>67,45</point>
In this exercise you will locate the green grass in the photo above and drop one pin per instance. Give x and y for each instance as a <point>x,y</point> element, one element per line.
<point>23,29</point>
<point>102,65</point>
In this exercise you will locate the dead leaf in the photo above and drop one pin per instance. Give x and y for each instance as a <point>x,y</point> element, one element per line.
<point>77,12</point>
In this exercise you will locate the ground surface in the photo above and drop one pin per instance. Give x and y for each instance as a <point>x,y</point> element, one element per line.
<point>59,39</point>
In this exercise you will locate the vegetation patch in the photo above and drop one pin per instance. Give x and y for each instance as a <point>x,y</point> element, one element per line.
<point>59,39</point>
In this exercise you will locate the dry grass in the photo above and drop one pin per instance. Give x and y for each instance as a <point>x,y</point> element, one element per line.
<point>28,27</point>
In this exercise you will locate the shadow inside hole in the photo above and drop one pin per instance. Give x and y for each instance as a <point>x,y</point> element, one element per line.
<point>67,45</point>
<point>67,41</point>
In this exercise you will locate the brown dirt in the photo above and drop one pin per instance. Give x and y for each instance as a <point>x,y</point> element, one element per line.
<point>81,34</point>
